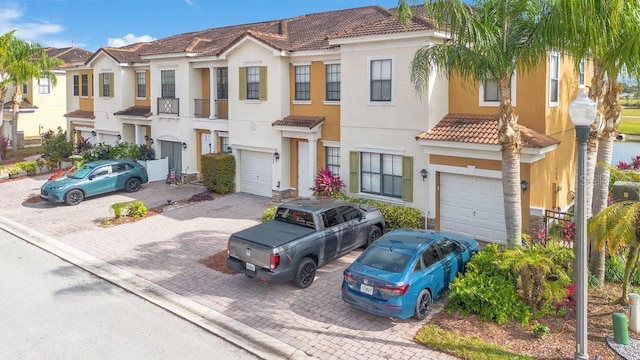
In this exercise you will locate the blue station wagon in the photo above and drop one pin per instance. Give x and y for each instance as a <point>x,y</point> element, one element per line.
<point>95,178</point>
<point>402,272</point>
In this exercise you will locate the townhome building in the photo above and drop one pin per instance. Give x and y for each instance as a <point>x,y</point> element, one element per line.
<point>333,90</point>
<point>43,104</point>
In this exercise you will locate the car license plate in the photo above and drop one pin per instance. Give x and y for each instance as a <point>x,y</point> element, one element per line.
<point>250,267</point>
<point>366,289</point>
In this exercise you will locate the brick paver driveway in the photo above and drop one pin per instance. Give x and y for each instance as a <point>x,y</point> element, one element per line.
<point>165,250</point>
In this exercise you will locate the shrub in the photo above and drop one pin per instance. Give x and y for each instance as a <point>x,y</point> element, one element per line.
<point>27,166</point>
<point>540,330</point>
<point>146,153</point>
<point>4,145</point>
<point>395,216</point>
<point>218,172</point>
<point>56,147</point>
<point>269,213</point>
<point>120,150</point>
<point>326,183</point>
<point>118,209</point>
<point>137,209</point>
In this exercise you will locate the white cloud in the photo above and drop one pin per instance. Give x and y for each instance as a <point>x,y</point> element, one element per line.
<point>10,19</point>
<point>128,39</point>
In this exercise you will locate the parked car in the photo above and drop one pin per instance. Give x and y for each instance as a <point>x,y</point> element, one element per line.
<point>95,178</point>
<point>304,235</point>
<point>401,273</point>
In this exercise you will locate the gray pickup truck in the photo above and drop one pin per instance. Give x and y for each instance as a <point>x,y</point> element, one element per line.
<point>304,235</point>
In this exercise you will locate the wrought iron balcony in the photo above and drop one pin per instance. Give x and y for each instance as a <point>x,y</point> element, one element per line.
<point>222,108</point>
<point>202,108</point>
<point>169,106</point>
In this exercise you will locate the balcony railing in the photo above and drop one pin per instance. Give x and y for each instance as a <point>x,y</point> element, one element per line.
<point>169,106</point>
<point>222,108</point>
<point>201,108</point>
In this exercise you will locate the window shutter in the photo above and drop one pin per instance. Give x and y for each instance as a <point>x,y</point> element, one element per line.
<point>112,87</point>
<point>407,178</point>
<point>100,85</point>
<point>354,172</point>
<point>263,83</point>
<point>243,83</point>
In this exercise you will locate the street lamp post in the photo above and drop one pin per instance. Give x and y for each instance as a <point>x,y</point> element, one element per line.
<point>583,113</point>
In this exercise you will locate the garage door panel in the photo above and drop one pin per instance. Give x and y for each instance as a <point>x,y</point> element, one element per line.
<point>256,173</point>
<point>473,206</point>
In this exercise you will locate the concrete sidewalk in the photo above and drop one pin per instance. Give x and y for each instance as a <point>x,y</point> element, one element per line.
<point>157,258</point>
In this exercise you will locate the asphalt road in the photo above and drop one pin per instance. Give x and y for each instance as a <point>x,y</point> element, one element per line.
<point>50,309</point>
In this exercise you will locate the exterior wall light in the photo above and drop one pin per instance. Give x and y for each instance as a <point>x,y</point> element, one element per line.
<point>524,185</point>
<point>93,133</point>
<point>184,146</point>
<point>424,173</point>
<point>276,156</point>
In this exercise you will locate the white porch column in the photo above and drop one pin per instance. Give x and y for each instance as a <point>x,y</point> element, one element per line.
<point>313,156</point>
<point>213,92</point>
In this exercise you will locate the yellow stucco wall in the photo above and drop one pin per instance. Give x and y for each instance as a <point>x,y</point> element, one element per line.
<point>316,107</point>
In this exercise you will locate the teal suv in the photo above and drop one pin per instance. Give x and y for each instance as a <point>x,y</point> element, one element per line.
<point>95,178</point>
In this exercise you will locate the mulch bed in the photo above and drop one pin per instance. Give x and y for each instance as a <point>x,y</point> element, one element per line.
<point>218,262</point>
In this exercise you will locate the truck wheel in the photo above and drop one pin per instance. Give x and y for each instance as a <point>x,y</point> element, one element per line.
<point>374,234</point>
<point>305,274</point>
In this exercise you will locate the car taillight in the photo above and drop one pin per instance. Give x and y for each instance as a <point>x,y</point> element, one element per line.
<point>348,277</point>
<point>274,261</point>
<point>394,290</point>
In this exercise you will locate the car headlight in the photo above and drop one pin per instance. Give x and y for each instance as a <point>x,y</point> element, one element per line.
<point>54,188</point>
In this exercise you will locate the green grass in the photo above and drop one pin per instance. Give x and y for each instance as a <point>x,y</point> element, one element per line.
<point>448,342</point>
<point>630,122</point>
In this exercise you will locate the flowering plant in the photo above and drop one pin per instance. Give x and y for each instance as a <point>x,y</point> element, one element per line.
<point>326,183</point>
<point>57,174</point>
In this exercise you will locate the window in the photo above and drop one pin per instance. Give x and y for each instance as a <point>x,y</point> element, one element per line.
<point>44,86</point>
<point>380,80</point>
<point>76,85</point>
<point>223,83</point>
<point>490,92</point>
<point>333,159</point>
<point>350,213</point>
<point>381,174</point>
<point>168,83</point>
<point>85,85</point>
<point>253,82</point>
<point>554,76</point>
<point>333,82</point>
<point>101,171</point>
<point>331,218</point>
<point>429,256</point>
<point>25,88</point>
<point>105,83</point>
<point>447,246</point>
<point>302,82</point>
<point>224,145</point>
<point>581,71</point>
<point>141,84</point>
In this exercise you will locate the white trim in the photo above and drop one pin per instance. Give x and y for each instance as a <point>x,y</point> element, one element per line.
<point>386,199</point>
<point>483,103</point>
<point>331,62</point>
<point>557,102</point>
<point>376,150</point>
<point>300,63</point>
<point>330,143</point>
<point>368,82</point>
<point>301,102</point>
<point>254,148</point>
<point>331,103</point>
<point>420,35</point>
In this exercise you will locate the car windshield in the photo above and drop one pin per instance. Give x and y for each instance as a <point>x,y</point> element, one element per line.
<point>80,173</point>
<point>386,259</point>
<point>295,217</point>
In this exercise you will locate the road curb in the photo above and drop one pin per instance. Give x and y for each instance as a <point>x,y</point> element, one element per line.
<point>253,341</point>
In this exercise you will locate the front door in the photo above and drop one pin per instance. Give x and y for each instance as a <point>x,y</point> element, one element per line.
<point>173,152</point>
<point>206,147</point>
<point>304,183</point>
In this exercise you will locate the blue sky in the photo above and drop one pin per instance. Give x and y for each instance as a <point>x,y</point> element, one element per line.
<point>91,24</point>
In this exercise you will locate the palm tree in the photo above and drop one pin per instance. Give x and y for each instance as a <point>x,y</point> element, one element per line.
<point>607,32</point>
<point>26,61</point>
<point>490,41</point>
<point>5,40</point>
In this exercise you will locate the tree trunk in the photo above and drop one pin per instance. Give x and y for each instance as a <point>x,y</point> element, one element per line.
<point>611,111</point>
<point>509,136</point>
<point>628,270</point>
<point>16,99</point>
<point>3,93</point>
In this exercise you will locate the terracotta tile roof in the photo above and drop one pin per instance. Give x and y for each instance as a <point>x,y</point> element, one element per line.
<point>25,104</point>
<point>70,55</point>
<point>81,114</point>
<point>142,111</point>
<point>390,25</point>
<point>481,129</point>
<point>302,33</point>
<point>308,122</point>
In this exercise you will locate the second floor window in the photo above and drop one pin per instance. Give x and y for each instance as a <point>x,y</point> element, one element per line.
<point>302,82</point>
<point>85,85</point>
<point>106,85</point>
<point>168,83</point>
<point>141,86</point>
<point>76,85</point>
<point>25,88</point>
<point>380,80</point>
<point>253,82</point>
<point>333,82</point>
<point>44,86</point>
<point>491,91</point>
<point>222,79</point>
<point>554,79</point>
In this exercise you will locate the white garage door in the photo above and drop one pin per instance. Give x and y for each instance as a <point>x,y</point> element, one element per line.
<point>473,206</point>
<point>255,173</point>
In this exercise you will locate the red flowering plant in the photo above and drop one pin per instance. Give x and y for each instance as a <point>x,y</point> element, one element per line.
<point>326,183</point>
<point>56,174</point>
